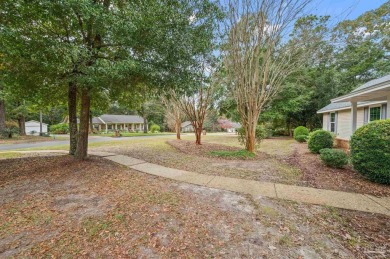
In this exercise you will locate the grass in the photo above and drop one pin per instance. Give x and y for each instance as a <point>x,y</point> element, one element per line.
<point>243,154</point>
<point>7,155</point>
<point>132,134</point>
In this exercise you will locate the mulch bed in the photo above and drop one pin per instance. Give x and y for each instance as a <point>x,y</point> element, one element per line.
<point>316,174</point>
<point>189,147</point>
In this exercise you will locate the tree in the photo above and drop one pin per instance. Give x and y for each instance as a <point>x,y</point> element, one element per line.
<point>173,115</point>
<point>89,47</point>
<point>257,57</point>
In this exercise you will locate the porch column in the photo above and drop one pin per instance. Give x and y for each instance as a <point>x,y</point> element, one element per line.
<point>353,116</point>
<point>100,127</point>
<point>388,107</point>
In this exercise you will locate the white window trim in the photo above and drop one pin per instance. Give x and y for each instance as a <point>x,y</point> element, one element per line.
<point>374,106</point>
<point>330,122</point>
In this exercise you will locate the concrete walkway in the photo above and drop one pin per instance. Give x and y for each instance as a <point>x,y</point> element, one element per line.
<point>344,200</point>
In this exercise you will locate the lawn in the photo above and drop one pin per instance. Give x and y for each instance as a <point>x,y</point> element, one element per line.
<point>133,134</point>
<point>24,139</point>
<point>58,207</point>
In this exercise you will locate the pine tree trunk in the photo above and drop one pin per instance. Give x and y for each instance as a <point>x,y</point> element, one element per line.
<point>2,114</point>
<point>22,125</point>
<point>72,117</point>
<point>82,143</point>
<point>178,128</point>
<point>145,125</point>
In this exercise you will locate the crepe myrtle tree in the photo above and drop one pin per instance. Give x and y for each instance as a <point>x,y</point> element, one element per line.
<point>259,54</point>
<point>173,115</point>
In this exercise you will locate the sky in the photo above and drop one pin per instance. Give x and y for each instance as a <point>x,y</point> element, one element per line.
<point>344,9</point>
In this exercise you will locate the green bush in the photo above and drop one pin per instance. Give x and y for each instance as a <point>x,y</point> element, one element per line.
<point>155,128</point>
<point>61,128</point>
<point>320,139</point>
<point>370,151</point>
<point>300,131</point>
<point>11,128</point>
<point>261,133</point>
<point>333,157</point>
<point>301,138</point>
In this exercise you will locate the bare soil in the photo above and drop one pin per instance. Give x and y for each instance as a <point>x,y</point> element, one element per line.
<point>59,207</point>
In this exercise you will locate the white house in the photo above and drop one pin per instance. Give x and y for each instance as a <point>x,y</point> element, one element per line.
<point>187,127</point>
<point>32,127</point>
<point>368,102</point>
<point>108,122</point>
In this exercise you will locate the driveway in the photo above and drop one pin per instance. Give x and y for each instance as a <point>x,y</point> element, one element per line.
<point>91,139</point>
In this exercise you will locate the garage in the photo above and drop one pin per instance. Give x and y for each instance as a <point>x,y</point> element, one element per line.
<point>33,127</point>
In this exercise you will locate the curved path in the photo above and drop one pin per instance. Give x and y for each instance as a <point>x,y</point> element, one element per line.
<point>338,199</point>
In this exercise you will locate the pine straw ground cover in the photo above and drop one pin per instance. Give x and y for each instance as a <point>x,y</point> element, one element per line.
<point>58,207</point>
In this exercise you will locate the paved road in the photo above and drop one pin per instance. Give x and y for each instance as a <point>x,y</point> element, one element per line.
<point>91,139</point>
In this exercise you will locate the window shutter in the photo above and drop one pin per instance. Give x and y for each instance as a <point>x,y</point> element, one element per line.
<point>365,115</point>
<point>328,124</point>
<point>336,115</point>
<point>383,113</point>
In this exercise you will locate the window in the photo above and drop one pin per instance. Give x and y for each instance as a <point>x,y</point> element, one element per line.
<point>333,122</point>
<point>375,113</point>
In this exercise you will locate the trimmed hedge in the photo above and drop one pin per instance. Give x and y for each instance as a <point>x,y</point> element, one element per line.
<point>370,151</point>
<point>333,157</point>
<point>320,139</point>
<point>155,128</point>
<point>300,131</point>
<point>301,138</point>
<point>61,128</point>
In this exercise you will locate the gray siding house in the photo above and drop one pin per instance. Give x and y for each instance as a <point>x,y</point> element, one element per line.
<point>368,102</point>
<point>108,122</point>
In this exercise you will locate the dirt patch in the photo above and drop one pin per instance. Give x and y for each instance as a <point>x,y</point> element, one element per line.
<point>316,174</point>
<point>59,207</point>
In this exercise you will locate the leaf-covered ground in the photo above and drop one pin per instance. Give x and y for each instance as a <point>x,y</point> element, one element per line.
<point>58,207</point>
<point>280,160</point>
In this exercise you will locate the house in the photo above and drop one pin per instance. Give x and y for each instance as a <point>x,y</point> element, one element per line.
<point>228,125</point>
<point>368,102</point>
<point>32,127</point>
<point>108,122</point>
<point>187,127</point>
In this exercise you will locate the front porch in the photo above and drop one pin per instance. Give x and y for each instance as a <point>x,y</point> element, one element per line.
<point>130,127</point>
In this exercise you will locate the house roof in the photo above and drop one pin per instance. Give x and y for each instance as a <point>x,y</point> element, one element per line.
<point>374,91</point>
<point>373,83</point>
<point>185,124</point>
<point>109,118</point>
<point>35,122</point>
<point>344,106</point>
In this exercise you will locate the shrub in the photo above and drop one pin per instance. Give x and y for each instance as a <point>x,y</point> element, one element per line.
<point>300,131</point>
<point>61,128</point>
<point>333,157</point>
<point>155,128</point>
<point>301,138</point>
<point>370,151</point>
<point>320,139</point>
<point>260,134</point>
<point>11,128</point>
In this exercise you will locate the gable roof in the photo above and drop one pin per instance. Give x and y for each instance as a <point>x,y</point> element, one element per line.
<point>372,83</point>
<point>109,118</point>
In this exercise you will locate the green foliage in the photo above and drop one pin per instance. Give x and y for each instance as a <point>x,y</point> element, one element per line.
<point>370,151</point>
<point>155,128</point>
<point>261,133</point>
<point>320,139</point>
<point>11,128</point>
<point>61,128</point>
<point>301,138</point>
<point>300,131</point>
<point>240,154</point>
<point>333,157</point>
